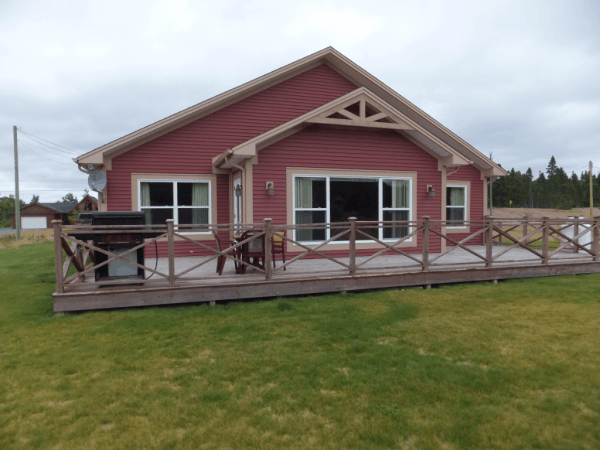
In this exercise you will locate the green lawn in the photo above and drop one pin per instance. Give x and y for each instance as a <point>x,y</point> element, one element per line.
<point>482,366</point>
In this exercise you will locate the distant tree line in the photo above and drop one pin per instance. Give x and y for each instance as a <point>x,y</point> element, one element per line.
<point>554,189</point>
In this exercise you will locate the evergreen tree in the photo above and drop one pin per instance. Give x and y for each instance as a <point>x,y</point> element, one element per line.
<point>552,189</point>
<point>529,175</point>
<point>551,169</point>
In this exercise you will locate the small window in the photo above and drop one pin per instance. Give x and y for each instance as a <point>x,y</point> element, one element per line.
<point>186,202</point>
<point>456,206</point>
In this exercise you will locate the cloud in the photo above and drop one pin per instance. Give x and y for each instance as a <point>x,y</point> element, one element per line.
<point>518,79</point>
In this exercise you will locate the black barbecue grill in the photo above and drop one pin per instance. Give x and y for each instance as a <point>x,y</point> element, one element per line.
<point>118,243</point>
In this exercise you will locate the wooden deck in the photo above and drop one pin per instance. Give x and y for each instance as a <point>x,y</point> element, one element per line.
<point>175,283</point>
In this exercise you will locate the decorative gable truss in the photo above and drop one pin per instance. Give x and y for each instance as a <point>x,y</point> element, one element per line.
<point>361,112</point>
<point>359,108</point>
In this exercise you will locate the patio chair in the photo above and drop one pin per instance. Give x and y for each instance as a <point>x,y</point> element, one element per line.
<point>252,252</point>
<point>278,246</point>
<point>222,258</point>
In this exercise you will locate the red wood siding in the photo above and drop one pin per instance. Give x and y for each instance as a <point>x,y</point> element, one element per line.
<point>344,148</point>
<point>473,175</point>
<point>190,149</point>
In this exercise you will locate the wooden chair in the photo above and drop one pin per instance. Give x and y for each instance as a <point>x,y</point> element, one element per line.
<point>253,251</point>
<point>278,246</point>
<point>222,258</point>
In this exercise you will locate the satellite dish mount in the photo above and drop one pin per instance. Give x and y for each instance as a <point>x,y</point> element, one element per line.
<point>97,182</point>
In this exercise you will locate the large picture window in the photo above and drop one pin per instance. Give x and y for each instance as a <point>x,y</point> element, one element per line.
<point>330,199</point>
<point>456,206</point>
<point>186,202</point>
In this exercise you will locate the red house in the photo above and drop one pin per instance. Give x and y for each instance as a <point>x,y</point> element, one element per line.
<point>319,140</point>
<point>40,215</point>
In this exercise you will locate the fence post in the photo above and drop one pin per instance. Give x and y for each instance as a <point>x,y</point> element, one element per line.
<point>525,223</point>
<point>596,239</point>
<point>489,223</point>
<point>171,243</point>
<point>545,235</point>
<point>425,253</point>
<point>268,248</point>
<point>352,246</point>
<point>58,262</point>
<point>575,233</point>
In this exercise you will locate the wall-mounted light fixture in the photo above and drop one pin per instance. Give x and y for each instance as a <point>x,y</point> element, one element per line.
<point>238,190</point>
<point>270,188</point>
<point>430,190</point>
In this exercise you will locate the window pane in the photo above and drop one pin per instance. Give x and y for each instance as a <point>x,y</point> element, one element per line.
<point>192,194</point>
<point>157,194</point>
<point>396,194</point>
<point>455,196</point>
<point>319,193</point>
<point>193,216</point>
<point>455,215</point>
<point>157,216</point>
<point>396,232</point>
<point>311,193</point>
<point>354,198</point>
<point>310,217</point>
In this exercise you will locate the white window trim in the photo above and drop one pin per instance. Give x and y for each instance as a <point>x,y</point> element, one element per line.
<point>174,207</point>
<point>465,207</point>
<point>327,210</point>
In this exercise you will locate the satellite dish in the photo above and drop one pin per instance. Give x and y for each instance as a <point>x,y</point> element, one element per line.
<point>97,181</point>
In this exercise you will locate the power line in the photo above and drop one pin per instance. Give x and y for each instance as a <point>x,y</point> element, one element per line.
<point>44,156</point>
<point>34,136</point>
<point>37,190</point>
<point>48,149</point>
<point>71,154</point>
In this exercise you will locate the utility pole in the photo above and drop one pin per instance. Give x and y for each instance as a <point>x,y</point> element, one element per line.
<point>491,183</point>
<point>591,190</point>
<point>17,201</point>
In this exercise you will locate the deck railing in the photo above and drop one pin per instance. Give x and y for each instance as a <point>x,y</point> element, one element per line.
<point>543,239</point>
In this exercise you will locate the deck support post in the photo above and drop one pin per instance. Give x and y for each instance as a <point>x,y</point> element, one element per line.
<point>489,234</point>
<point>268,248</point>
<point>58,262</point>
<point>171,243</point>
<point>425,257</point>
<point>596,239</point>
<point>575,233</point>
<point>352,246</point>
<point>545,241</point>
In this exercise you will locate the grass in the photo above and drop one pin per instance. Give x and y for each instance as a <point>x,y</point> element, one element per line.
<point>27,238</point>
<point>480,366</point>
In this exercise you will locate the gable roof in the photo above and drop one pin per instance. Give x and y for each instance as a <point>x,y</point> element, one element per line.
<point>329,56</point>
<point>60,206</point>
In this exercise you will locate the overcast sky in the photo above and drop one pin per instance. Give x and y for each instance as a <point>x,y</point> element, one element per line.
<point>516,78</point>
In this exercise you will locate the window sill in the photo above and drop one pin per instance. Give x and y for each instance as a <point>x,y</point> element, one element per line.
<point>450,230</point>
<point>345,245</point>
